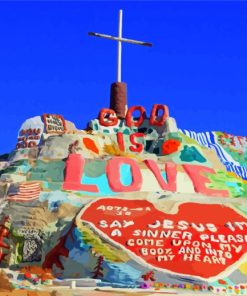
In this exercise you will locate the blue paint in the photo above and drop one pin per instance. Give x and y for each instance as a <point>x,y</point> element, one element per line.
<point>120,273</point>
<point>126,175</point>
<point>103,184</point>
<point>235,185</point>
<point>207,139</point>
<point>163,174</point>
<point>56,198</point>
<point>189,154</point>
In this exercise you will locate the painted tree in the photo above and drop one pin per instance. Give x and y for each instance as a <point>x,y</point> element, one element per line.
<point>149,276</point>
<point>74,147</point>
<point>60,249</point>
<point>4,233</point>
<point>98,268</point>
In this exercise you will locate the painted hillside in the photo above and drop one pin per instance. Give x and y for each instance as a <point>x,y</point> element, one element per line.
<point>131,202</point>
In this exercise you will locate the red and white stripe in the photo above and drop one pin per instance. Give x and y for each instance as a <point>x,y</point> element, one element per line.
<point>27,191</point>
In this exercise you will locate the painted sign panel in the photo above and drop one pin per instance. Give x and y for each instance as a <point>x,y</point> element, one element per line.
<point>54,124</point>
<point>30,133</point>
<point>200,240</point>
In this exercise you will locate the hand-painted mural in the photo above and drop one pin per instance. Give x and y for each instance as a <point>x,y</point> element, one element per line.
<point>127,202</point>
<point>203,246</point>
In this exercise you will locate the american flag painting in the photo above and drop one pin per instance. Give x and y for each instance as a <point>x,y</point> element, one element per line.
<point>24,192</point>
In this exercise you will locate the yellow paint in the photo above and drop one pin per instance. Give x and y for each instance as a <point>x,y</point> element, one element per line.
<point>243,268</point>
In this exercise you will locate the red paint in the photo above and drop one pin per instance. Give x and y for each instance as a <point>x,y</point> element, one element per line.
<point>111,119</point>
<point>4,234</point>
<point>60,250</point>
<point>27,275</point>
<point>144,214</point>
<point>114,177</point>
<point>138,147</point>
<point>54,127</point>
<point>98,270</point>
<point>30,131</point>
<point>170,146</point>
<point>197,174</point>
<point>171,174</point>
<point>129,118</point>
<point>90,145</point>
<point>26,137</point>
<point>149,276</point>
<point>154,119</point>
<point>240,140</point>
<point>120,140</point>
<point>32,144</point>
<point>73,174</point>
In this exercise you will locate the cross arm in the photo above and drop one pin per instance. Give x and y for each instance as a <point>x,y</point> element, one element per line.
<point>120,39</point>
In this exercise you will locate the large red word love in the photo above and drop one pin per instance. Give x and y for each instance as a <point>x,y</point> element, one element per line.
<point>75,168</point>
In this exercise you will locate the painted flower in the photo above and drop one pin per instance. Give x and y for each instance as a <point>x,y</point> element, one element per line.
<point>222,282</point>
<point>170,146</point>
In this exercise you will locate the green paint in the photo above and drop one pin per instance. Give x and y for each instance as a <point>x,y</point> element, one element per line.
<point>126,131</point>
<point>94,168</point>
<point>224,180</point>
<point>188,140</point>
<point>101,247</point>
<point>52,171</point>
<point>238,152</point>
<point>96,127</point>
<point>174,136</point>
<point>189,154</point>
<point>19,243</point>
<point>20,166</point>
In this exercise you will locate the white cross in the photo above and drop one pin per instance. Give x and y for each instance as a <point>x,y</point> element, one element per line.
<point>119,39</point>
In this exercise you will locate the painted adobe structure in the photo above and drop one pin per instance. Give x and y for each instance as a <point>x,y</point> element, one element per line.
<point>130,202</point>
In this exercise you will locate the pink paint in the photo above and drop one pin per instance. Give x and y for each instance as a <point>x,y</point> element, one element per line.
<point>114,177</point>
<point>171,174</point>
<point>75,167</point>
<point>197,175</point>
<point>73,174</point>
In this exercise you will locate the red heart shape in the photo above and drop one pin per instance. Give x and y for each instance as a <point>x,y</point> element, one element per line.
<point>215,233</point>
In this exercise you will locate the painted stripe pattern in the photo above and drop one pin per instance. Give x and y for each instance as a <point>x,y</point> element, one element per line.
<point>208,139</point>
<point>26,192</point>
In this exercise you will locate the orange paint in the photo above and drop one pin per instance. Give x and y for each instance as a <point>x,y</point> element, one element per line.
<point>170,146</point>
<point>90,145</point>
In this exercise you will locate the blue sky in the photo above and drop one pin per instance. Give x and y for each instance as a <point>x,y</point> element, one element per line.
<point>197,66</point>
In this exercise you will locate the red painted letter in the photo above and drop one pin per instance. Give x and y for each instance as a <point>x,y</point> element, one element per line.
<point>154,119</point>
<point>129,118</point>
<point>73,174</point>
<point>120,141</point>
<point>197,175</point>
<point>111,120</point>
<point>114,177</point>
<point>138,146</point>
<point>171,174</point>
